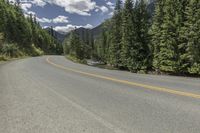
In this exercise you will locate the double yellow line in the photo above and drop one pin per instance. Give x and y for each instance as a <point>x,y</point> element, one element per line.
<point>155,88</point>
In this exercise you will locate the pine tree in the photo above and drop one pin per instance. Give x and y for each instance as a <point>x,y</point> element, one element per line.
<point>1,40</point>
<point>193,36</point>
<point>92,41</point>
<point>75,46</point>
<point>116,36</point>
<point>35,20</point>
<point>128,55</point>
<point>3,17</point>
<point>87,45</point>
<point>23,29</point>
<point>31,18</point>
<point>102,49</point>
<point>166,45</point>
<point>142,37</point>
<point>52,31</point>
<point>18,2</point>
<point>156,31</point>
<point>182,39</point>
<point>169,45</point>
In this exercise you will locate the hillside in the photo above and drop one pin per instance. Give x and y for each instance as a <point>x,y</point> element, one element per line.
<point>23,36</point>
<point>57,35</point>
<point>95,32</point>
<point>138,39</point>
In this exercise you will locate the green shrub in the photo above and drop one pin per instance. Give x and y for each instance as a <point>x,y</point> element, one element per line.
<point>34,51</point>
<point>1,40</point>
<point>195,69</point>
<point>11,50</point>
<point>75,59</point>
<point>3,58</point>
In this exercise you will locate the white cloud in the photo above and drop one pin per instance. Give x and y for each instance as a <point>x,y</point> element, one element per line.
<point>103,9</point>
<point>81,7</point>
<point>26,6</point>
<point>70,27</point>
<point>44,20</point>
<point>41,3</point>
<point>44,27</point>
<point>96,10</point>
<point>59,19</point>
<point>31,12</point>
<point>111,5</point>
<point>88,26</point>
<point>111,14</point>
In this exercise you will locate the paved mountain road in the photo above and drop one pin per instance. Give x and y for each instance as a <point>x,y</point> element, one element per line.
<point>50,94</point>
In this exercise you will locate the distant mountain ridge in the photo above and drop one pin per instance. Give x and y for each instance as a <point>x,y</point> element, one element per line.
<point>95,32</point>
<point>59,36</point>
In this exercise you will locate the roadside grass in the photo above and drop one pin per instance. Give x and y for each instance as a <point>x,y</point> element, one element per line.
<point>9,52</point>
<point>84,61</point>
<point>109,67</point>
<point>3,58</point>
<point>104,66</point>
<point>76,60</point>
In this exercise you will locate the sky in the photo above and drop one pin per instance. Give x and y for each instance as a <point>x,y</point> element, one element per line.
<point>65,15</point>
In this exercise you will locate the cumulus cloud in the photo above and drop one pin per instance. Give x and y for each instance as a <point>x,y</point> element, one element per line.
<point>44,20</point>
<point>111,14</point>
<point>41,3</point>
<point>81,7</point>
<point>59,19</point>
<point>97,9</point>
<point>88,26</point>
<point>30,12</point>
<point>70,27</point>
<point>110,4</point>
<point>103,9</point>
<point>26,6</point>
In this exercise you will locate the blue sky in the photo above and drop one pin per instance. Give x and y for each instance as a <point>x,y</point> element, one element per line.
<point>64,15</point>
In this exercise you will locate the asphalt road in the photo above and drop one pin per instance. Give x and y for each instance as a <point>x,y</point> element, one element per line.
<point>50,94</point>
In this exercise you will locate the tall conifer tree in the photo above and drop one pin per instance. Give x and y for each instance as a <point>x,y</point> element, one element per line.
<point>181,18</point>
<point>156,31</point>
<point>128,55</point>
<point>193,35</point>
<point>116,36</point>
<point>142,37</point>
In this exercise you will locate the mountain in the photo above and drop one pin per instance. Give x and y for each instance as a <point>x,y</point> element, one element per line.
<point>95,32</point>
<point>59,36</point>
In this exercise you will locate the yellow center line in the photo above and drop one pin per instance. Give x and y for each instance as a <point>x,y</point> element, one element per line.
<point>155,88</point>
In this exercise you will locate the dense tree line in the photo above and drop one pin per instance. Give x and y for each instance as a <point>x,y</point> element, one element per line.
<point>79,44</point>
<point>169,42</point>
<point>176,36</point>
<point>22,35</point>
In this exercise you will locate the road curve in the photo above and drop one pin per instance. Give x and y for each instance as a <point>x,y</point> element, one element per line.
<point>50,94</point>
